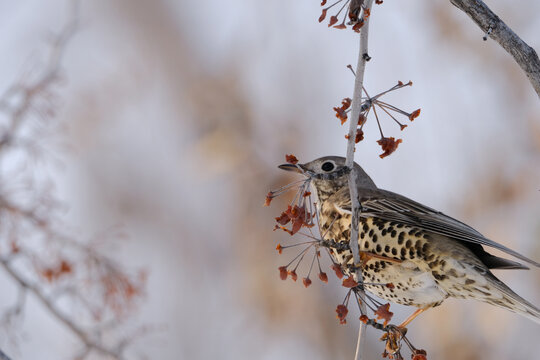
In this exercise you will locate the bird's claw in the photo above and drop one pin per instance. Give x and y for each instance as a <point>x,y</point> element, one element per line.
<point>393,336</point>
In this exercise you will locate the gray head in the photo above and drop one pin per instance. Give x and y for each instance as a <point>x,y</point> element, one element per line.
<point>329,174</point>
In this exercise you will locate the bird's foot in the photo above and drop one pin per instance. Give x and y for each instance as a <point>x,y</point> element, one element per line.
<point>393,336</point>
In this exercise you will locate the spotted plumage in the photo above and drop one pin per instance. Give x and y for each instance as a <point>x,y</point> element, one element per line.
<point>426,255</point>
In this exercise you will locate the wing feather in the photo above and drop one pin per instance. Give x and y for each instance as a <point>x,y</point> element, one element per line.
<point>394,207</point>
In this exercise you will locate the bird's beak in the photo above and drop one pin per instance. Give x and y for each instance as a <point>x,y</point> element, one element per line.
<point>290,167</point>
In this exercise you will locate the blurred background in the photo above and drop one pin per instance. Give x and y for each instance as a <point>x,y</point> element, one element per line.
<point>176,114</point>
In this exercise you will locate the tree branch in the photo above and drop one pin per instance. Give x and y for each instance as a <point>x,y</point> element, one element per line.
<point>495,28</point>
<point>3,356</point>
<point>80,333</point>
<point>353,124</point>
<point>30,224</point>
<point>31,90</point>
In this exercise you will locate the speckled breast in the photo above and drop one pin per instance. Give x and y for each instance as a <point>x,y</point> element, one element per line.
<point>406,262</point>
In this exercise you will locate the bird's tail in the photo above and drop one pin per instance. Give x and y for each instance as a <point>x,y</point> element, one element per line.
<point>509,300</point>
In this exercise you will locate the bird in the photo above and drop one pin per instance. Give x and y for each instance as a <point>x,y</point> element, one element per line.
<point>426,255</point>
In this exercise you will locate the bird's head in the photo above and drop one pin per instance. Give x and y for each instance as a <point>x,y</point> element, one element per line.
<point>329,174</point>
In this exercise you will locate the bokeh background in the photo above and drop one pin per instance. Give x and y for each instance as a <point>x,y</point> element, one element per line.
<point>177,113</point>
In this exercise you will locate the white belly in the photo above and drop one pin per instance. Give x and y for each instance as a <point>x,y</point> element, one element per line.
<point>420,289</point>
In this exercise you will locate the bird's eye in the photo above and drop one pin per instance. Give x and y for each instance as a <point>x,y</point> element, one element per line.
<point>327,166</point>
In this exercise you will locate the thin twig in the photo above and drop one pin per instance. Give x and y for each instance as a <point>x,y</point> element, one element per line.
<point>30,92</point>
<point>353,124</point>
<point>496,29</point>
<point>3,356</point>
<point>45,301</point>
<point>18,104</point>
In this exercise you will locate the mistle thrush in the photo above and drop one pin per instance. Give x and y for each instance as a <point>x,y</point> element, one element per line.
<point>425,254</point>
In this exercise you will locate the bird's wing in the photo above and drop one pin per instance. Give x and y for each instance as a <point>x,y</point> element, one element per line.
<point>394,207</point>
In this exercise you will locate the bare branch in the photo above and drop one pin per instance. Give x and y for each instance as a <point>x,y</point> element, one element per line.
<point>28,92</point>
<point>16,310</point>
<point>48,303</point>
<point>353,124</point>
<point>3,356</point>
<point>31,232</point>
<point>495,28</point>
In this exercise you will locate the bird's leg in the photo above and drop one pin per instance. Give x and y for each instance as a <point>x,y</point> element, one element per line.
<point>367,256</point>
<point>412,317</point>
<point>394,334</point>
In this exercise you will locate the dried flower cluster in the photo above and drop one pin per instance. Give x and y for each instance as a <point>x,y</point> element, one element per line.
<point>56,271</point>
<point>354,12</point>
<point>297,216</point>
<point>388,144</point>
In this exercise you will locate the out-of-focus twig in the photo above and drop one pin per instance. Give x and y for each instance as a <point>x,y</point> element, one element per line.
<point>60,266</point>
<point>91,343</point>
<point>49,304</point>
<point>29,92</point>
<point>3,356</point>
<point>353,124</point>
<point>524,55</point>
